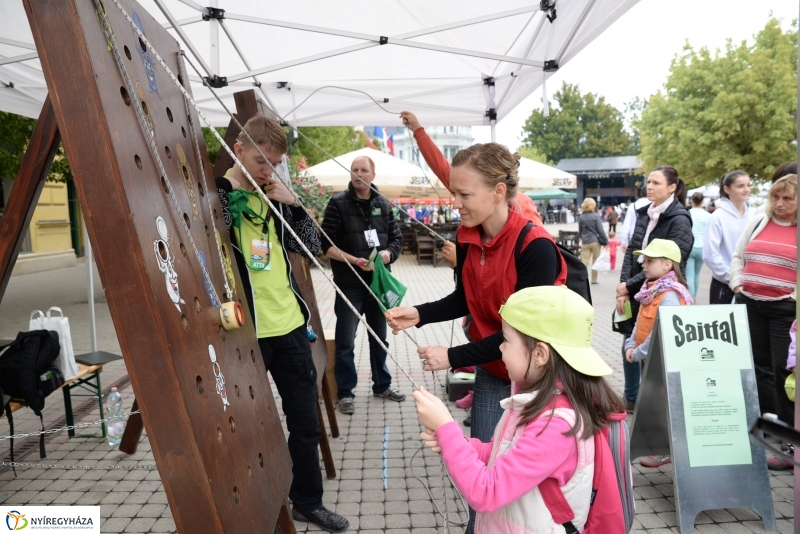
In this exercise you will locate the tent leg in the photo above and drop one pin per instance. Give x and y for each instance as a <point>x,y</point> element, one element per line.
<point>90,288</point>
<point>494,136</point>
<point>797,315</point>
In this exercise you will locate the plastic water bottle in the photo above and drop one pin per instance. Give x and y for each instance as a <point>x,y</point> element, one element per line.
<point>116,427</point>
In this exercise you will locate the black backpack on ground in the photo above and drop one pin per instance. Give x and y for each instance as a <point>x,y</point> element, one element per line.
<point>27,374</point>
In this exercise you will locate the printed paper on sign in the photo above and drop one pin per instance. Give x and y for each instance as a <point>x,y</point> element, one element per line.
<point>52,519</point>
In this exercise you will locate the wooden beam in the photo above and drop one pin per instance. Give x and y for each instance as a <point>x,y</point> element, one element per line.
<point>27,189</point>
<point>246,107</point>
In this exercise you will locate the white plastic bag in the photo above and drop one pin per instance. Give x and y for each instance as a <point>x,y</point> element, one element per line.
<point>603,263</point>
<point>59,324</point>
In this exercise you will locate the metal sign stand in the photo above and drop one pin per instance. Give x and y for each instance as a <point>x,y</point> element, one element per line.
<point>660,422</point>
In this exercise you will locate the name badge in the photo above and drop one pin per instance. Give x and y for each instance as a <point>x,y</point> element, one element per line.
<point>260,252</point>
<point>371,236</point>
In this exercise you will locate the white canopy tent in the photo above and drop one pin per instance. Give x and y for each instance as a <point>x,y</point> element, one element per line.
<point>535,175</point>
<point>453,62</point>
<point>394,177</point>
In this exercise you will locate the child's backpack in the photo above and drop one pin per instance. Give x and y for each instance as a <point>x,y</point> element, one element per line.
<point>27,374</point>
<point>611,510</point>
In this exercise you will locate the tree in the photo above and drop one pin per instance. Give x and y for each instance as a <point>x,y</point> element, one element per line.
<point>532,152</point>
<point>335,140</point>
<point>212,144</point>
<point>580,126</point>
<point>735,109</point>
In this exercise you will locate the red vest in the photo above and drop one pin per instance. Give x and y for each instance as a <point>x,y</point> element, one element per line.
<point>487,286</point>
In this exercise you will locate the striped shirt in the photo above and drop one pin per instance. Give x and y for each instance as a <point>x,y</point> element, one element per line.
<point>770,263</point>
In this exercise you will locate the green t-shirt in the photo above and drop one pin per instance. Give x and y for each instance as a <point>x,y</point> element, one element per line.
<point>277,309</point>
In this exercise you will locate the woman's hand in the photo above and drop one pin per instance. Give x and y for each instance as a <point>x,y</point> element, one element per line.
<point>629,355</point>
<point>435,358</point>
<point>386,257</point>
<point>362,264</point>
<point>431,411</point>
<point>623,296</point>
<point>409,120</point>
<point>449,253</point>
<point>431,441</point>
<point>622,290</point>
<point>402,318</point>
<point>737,289</point>
<point>275,190</point>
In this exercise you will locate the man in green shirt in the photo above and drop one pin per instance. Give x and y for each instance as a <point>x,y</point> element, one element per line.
<point>261,247</point>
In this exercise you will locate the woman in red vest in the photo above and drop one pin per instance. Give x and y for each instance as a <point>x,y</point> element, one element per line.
<point>484,183</point>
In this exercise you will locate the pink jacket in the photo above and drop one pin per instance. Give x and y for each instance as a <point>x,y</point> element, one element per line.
<point>791,362</point>
<point>495,478</point>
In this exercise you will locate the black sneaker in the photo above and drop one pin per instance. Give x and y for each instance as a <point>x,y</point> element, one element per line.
<point>468,420</point>
<point>323,518</point>
<point>391,394</point>
<point>347,406</point>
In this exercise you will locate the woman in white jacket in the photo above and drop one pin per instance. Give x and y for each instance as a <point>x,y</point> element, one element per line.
<point>723,232</point>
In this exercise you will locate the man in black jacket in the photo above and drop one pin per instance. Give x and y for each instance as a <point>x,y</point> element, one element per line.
<point>358,220</point>
<point>261,247</point>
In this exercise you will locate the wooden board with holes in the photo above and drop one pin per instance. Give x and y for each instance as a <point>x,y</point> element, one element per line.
<point>203,391</point>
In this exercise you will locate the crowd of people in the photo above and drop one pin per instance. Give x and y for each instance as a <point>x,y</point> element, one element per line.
<point>539,384</point>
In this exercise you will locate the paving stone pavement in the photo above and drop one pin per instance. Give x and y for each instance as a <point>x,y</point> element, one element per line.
<point>374,496</point>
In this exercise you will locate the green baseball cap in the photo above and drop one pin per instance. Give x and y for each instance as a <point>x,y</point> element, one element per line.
<point>558,316</point>
<point>661,248</point>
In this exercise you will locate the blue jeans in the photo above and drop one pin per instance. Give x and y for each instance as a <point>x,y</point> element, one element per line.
<point>633,375</point>
<point>346,325</point>
<point>693,266</point>
<point>486,413</point>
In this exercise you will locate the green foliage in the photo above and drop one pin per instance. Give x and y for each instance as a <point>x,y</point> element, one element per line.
<point>733,109</point>
<point>580,126</point>
<point>15,134</point>
<point>212,144</point>
<point>532,152</point>
<point>310,191</point>
<point>335,140</point>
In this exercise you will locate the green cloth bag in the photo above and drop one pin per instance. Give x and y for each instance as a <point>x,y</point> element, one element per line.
<point>389,290</point>
<point>789,386</point>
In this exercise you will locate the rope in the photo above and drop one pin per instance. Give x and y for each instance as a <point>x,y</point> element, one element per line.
<point>71,427</point>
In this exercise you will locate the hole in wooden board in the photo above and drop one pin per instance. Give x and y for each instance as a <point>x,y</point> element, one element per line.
<point>236,389</point>
<point>183,250</point>
<point>162,251</point>
<point>222,332</point>
<point>125,96</point>
<point>253,356</point>
<point>127,53</point>
<point>138,161</point>
<point>141,43</point>
<point>144,108</point>
<point>169,115</point>
<point>252,393</point>
<point>168,152</point>
<point>187,221</point>
<point>233,425</point>
<point>180,79</point>
<point>208,232</point>
<point>164,185</point>
<point>183,131</point>
<point>236,497</point>
<point>184,322</point>
<point>239,354</point>
<point>215,214</point>
<point>263,428</point>
<point>197,305</point>
<point>219,435</point>
<point>200,387</point>
<point>201,189</point>
<point>260,459</point>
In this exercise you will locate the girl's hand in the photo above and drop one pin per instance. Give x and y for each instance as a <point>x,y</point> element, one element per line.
<point>431,411</point>
<point>737,289</point>
<point>629,355</point>
<point>402,318</point>
<point>430,440</point>
<point>435,358</point>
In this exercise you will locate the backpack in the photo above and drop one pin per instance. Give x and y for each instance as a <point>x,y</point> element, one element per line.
<point>28,374</point>
<point>612,506</point>
<point>577,274</point>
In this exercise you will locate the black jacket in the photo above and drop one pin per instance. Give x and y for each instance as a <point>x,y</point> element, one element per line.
<point>300,222</point>
<point>346,219</point>
<point>674,224</point>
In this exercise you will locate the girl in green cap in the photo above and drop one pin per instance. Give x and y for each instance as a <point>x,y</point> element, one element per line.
<point>665,286</point>
<point>544,440</point>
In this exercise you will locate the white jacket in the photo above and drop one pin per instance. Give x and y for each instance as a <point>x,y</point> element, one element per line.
<point>753,228</point>
<point>722,233</point>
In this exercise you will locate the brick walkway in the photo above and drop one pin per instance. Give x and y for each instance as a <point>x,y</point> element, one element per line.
<point>396,502</point>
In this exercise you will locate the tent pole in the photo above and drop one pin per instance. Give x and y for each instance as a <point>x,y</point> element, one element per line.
<point>494,136</point>
<point>213,37</point>
<point>90,287</point>
<point>797,315</point>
